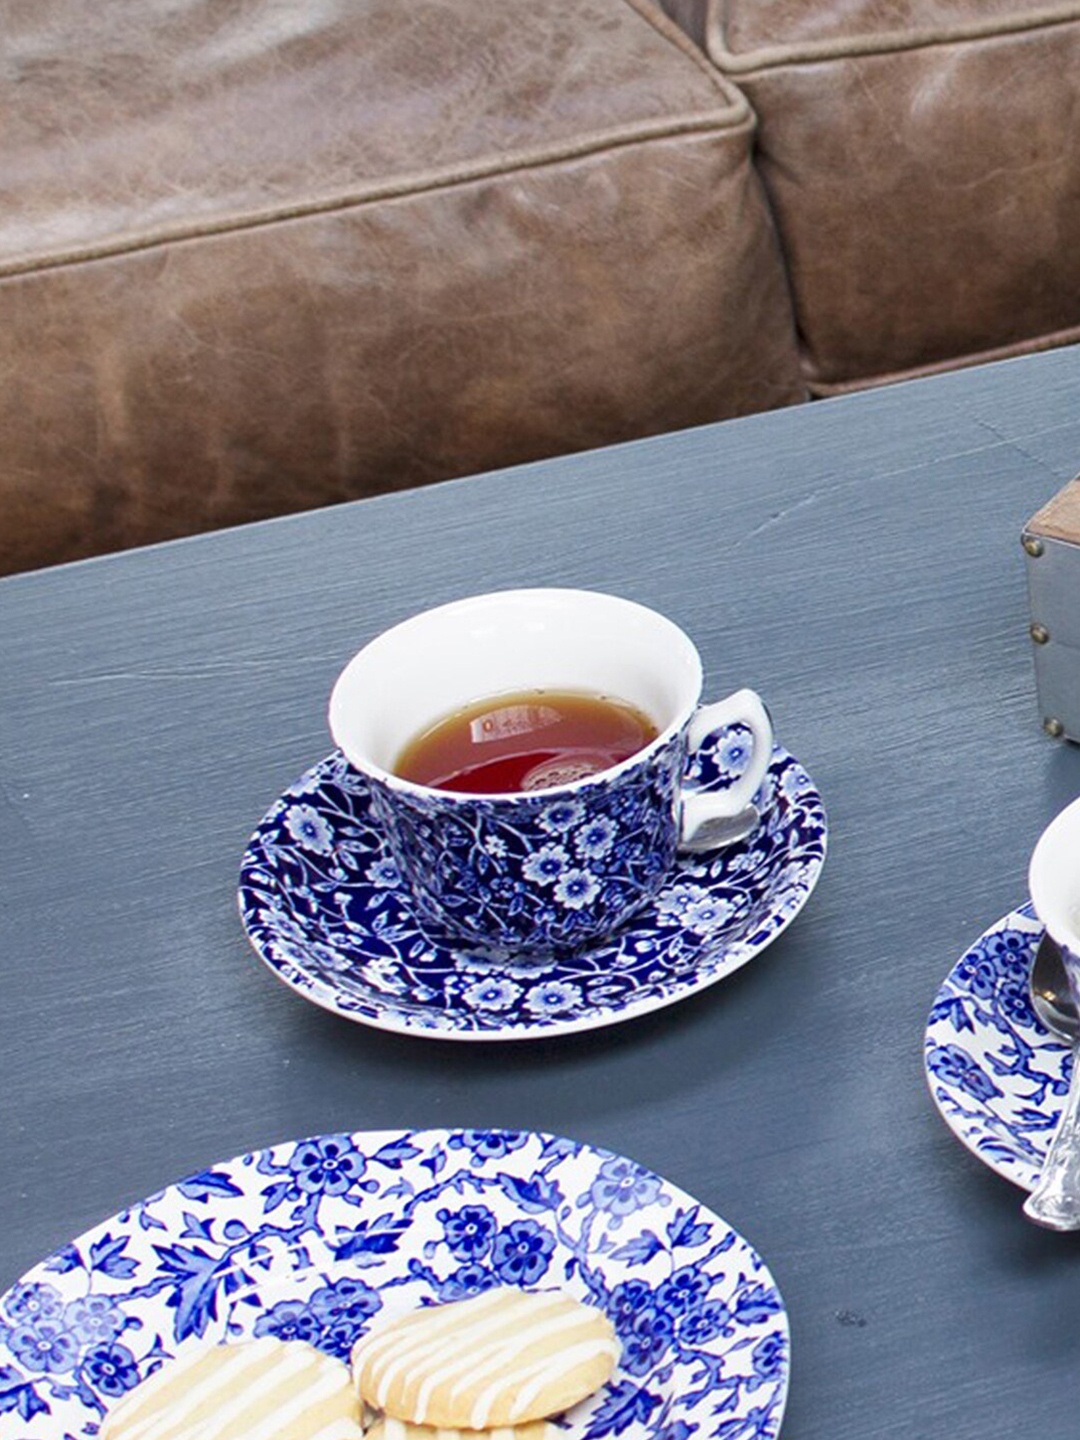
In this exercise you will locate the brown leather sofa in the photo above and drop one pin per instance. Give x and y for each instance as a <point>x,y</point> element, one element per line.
<point>264,256</point>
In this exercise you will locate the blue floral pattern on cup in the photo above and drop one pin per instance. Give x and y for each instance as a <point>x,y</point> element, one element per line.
<point>325,907</point>
<point>318,1240</point>
<point>539,872</point>
<point>998,1077</point>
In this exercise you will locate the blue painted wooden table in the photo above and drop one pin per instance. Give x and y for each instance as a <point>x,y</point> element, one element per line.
<point>858,562</point>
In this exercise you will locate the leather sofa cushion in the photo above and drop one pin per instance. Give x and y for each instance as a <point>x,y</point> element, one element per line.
<point>923,161</point>
<point>259,257</point>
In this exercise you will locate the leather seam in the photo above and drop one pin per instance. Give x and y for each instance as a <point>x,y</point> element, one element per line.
<point>733,119</point>
<point>1053,340</point>
<point>770,57</point>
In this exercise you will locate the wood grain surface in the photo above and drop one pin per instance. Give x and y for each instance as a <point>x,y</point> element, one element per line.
<point>857,561</point>
<point>1060,516</point>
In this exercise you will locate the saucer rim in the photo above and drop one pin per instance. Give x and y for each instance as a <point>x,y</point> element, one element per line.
<point>644,1004</point>
<point>129,1248</point>
<point>1018,1170</point>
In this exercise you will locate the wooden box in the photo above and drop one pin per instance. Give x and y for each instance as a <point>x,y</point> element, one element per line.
<point>1051,541</point>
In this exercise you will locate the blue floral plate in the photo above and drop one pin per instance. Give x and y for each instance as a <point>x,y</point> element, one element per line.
<point>997,1075</point>
<point>318,1239</point>
<point>324,907</point>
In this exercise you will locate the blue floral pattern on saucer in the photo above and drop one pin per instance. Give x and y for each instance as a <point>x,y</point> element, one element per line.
<point>319,1239</point>
<point>997,1075</point>
<point>324,906</point>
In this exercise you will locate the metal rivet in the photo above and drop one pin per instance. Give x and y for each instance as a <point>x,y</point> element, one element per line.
<point>1054,728</point>
<point>1033,545</point>
<point>1039,634</point>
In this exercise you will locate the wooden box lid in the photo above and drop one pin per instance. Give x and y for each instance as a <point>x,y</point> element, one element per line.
<point>1059,518</point>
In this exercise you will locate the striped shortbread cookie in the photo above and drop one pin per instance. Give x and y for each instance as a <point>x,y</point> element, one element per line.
<point>386,1428</point>
<point>264,1389</point>
<point>501,1358</point>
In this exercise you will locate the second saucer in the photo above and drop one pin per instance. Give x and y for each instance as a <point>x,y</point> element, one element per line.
<point>996,1074</point>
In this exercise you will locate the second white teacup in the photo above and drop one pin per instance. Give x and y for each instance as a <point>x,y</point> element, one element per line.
<point>1054,886</point>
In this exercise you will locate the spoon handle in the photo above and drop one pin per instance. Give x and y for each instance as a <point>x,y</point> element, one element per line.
<point>1055,1201</point>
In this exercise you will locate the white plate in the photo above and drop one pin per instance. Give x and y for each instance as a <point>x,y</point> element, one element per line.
<point>323,906</point>
<point>997,1075</point>
<point>319,1238</point>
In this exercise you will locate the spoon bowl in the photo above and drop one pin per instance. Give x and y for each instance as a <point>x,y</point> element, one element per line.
<point>1051,995</point>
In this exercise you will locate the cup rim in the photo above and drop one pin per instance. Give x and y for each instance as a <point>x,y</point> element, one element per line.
<point>1053,854</point>
<point>374,771</point>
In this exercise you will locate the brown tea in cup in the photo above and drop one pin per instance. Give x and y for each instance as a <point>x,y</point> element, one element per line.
<point>525,741</point>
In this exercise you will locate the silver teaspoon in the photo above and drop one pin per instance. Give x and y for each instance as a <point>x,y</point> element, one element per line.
<point>1055,1201</point>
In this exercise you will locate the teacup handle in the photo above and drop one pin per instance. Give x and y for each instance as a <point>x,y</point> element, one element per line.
<point>711,819</point>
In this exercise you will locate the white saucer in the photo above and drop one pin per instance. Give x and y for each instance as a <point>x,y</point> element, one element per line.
<point>997,1075</point>
<point>323,906</point>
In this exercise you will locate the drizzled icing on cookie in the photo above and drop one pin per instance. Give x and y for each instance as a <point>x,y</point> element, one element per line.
<point>387,1428</point>
<point>265,1389</point>
<point>501,1358</point>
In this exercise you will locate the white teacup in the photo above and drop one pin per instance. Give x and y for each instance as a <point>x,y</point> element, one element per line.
<point>1054,886</point>
<point>565,864</point>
